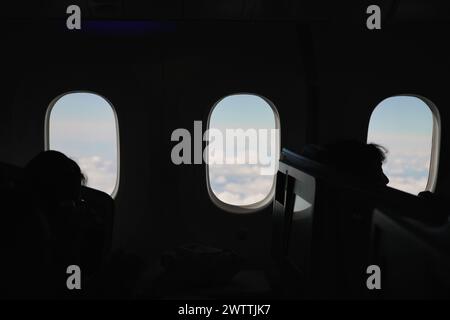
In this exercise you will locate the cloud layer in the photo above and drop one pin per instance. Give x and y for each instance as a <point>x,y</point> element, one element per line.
<point>101,173</point>
<point>239,184</point>
<point>244,184</point>
<point>407,171</point>
<point>407,161</point>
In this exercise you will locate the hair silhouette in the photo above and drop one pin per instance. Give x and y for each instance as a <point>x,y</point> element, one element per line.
<point>362,160</point>
<point>53,178</point>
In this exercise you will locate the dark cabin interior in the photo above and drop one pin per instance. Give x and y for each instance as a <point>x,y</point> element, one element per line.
<point>164,65</point>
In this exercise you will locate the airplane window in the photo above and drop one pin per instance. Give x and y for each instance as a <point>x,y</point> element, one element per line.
<point>242,153</point>
<point>84,126</point>
<point>408,127</point>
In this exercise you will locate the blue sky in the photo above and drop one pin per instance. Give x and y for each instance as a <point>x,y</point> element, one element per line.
<point>402,115</point>
<point>242,111</point>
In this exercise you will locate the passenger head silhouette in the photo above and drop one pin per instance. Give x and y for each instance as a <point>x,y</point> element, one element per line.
<point>54,184</point>
<point>364,161</point>
<point>53,178</point>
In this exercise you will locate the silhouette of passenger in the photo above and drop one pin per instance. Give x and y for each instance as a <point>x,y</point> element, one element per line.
<point>44,232</point>
<point>74,232</point>
<point>54,184</point>
<point>363,161</point>
<point>54,180</point>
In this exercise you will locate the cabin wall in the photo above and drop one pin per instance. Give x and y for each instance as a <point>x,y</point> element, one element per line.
<point>324,80</point>
<point>168,84</point>
<point>357,69</point>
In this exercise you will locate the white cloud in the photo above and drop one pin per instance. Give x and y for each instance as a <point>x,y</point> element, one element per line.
<point>239,184</point>
<point>407,172</point>
<point>408,184</point>
<point>101,173</point>
<point>239,199</point>
<point>220,180</point>
<point>407,161</point>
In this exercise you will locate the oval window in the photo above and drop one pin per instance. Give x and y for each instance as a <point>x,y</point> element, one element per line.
<point>84,127</point>
<point>242,152</point>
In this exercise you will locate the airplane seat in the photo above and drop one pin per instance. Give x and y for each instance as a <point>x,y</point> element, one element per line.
<point>24,235</point>
<point>347,221</point>
<point>301,227</point>
<point>354,209</point>
<point>413,256</point>
<point>279,230</point>
<point>424,209</point>
<point>321,228</point>
<point>102,207</point>
<point>358,225</point>
<point>22,241</point>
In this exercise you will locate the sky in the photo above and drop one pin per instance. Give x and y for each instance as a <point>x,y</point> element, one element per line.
<point>83,127</point>
<point>241,184</point>
<point>404,126</point>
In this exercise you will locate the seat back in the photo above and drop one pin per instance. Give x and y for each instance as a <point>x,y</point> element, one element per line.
<point>299,228</point>
<point>102,205</point>
<point>321,228</point>
<point>414,258</point>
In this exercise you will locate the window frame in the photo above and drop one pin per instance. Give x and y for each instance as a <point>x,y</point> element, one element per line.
<point>264,203</point>
<point>47,131</point>
<point>435,138</point>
